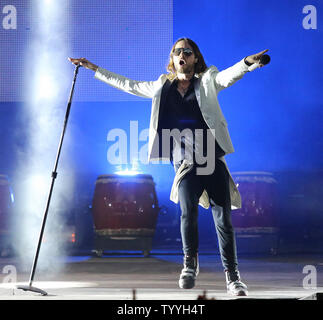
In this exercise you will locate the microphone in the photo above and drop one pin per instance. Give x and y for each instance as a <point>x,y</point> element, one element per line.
<point>265,59</point>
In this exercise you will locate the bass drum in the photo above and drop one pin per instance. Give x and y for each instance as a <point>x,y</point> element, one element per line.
<point>258,216</point>
<point>125,211</point>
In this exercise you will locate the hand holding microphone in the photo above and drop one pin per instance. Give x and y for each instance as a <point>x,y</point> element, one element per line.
<point>258,60</point>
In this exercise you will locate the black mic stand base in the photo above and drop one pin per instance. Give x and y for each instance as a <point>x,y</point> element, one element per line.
<point>33,289</point>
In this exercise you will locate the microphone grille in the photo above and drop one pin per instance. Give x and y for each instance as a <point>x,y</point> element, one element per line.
<point>265,58</point>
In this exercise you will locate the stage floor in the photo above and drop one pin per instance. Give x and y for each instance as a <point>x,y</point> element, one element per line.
<point>129,276</point>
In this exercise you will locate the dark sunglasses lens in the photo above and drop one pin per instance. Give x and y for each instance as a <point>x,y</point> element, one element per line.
<point>186,51</point>
<point>177,52</point>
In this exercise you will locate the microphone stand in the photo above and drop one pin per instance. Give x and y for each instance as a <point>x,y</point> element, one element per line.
<point>29,287</point>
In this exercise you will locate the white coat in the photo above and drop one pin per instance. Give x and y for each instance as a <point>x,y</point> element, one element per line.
<point>209,84</point>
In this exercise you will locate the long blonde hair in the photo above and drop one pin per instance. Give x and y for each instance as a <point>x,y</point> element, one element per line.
<point>200,65</point>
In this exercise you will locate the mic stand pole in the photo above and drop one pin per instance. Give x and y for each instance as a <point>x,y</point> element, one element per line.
<point>29,287</point>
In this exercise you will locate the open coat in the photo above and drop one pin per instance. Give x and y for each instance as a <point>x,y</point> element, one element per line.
<point>209,84</point>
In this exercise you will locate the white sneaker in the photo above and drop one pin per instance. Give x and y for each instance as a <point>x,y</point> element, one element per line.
<point>235,286</point>
<point>189,272</point>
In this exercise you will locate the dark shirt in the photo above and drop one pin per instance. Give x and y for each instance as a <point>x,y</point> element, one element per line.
<point>183,112</point>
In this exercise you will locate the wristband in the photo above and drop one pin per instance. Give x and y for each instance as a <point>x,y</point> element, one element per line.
<point>247,63</point>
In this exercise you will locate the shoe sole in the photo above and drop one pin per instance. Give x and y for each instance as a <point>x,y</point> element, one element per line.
<point>238,294</point>
<point>186,284</point>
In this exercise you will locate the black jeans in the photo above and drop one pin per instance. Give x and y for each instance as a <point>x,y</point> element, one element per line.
<point>217,187</point>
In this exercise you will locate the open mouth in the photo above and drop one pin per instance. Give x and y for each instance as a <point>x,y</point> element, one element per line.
<point>182,62</point>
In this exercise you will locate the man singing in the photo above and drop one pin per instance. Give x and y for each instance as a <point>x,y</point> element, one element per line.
<point>185,100</point>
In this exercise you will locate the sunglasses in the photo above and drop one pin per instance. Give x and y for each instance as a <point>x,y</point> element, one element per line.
<point>186,51</point>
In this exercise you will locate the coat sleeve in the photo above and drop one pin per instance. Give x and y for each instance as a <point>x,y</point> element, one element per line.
<point>145,89</point>
<point>229,76</point>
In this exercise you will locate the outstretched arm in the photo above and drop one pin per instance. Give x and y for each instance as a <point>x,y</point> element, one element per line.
<point>229,76</point>
<point>145,89</point>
